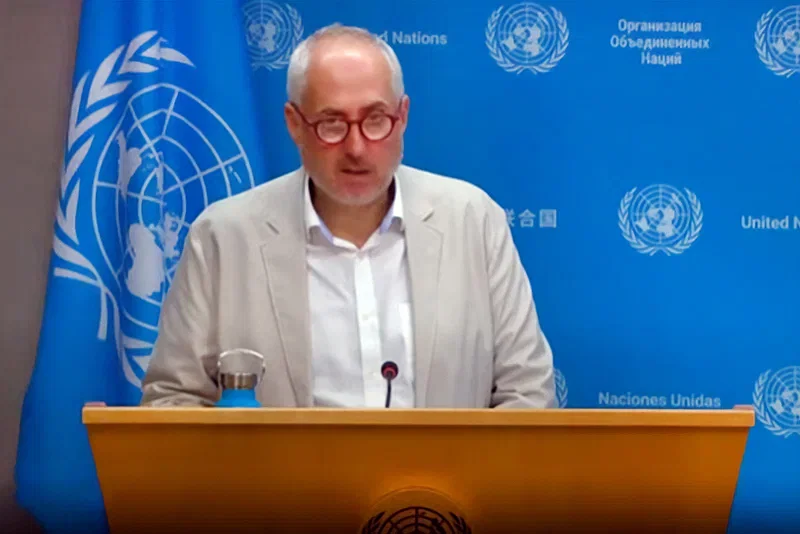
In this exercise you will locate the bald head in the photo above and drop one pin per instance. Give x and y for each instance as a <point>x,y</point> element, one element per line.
<point>338,49</point>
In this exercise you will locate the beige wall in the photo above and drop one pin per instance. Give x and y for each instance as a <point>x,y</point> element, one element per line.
<point>37,48</point>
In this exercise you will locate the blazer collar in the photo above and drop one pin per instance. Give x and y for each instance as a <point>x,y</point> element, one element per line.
<point>415,200</point>
<point>285,208</point>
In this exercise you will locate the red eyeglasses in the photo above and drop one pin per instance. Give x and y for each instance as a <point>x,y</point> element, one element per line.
<point>376,126</point>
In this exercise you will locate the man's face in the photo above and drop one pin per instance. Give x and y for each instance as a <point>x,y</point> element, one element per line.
<point>351,80</point>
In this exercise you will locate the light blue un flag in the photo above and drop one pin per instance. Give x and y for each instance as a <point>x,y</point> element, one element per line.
<point>161,124</point>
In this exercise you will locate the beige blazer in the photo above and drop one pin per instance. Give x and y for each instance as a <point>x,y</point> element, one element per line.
<point>242,283</point>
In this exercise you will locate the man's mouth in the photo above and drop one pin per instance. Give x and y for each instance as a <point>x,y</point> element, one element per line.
<point>355,172</point>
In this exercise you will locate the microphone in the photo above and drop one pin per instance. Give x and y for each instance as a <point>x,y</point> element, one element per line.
<point>389,372</point>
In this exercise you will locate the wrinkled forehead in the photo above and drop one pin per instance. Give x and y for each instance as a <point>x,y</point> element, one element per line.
<point>348,75</point>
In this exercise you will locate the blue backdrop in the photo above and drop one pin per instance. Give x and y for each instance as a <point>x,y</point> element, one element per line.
<point>637,147</point>
<point>645,152</point>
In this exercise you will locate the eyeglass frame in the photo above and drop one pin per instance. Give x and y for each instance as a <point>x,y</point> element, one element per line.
<point>394,117</point>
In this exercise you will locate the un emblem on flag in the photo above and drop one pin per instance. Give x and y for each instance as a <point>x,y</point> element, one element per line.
<point>139,169</point>
<point>272,33</point>
<point>778,40</point>
<point>527,36</point>
<point>777,400</point>
<point>660,218</point>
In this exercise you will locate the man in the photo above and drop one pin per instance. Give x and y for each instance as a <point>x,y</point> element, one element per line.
<point>351,261</point>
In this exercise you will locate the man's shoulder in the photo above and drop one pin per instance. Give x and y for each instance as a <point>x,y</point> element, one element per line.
<point>249,206</point>
<point>449,192</point>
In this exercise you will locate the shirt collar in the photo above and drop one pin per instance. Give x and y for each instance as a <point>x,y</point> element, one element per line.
<point>313,220</point>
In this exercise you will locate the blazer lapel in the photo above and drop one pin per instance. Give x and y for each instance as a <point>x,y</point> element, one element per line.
<point>424,248</point>
<point>284,255</point>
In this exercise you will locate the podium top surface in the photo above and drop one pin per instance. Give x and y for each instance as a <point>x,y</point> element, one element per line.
<point>101,415</point>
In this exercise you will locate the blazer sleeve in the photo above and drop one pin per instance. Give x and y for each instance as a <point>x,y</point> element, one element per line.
<point>183,359</point>
<point>523,361</point>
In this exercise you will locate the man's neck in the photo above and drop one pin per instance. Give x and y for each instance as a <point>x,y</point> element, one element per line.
<point>352,223</point>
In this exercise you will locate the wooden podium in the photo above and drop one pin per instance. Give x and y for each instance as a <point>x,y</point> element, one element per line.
<point>382,471</point>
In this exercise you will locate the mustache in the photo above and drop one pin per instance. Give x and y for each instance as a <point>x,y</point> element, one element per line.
<point>359,165</point>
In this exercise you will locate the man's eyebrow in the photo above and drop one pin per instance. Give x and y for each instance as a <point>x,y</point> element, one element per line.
<point>330,111</point>
<point>380,104</point>
<point>366,109</point>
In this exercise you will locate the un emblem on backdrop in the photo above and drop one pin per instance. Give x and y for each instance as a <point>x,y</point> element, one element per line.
<point>141,184</point>
<point>778,40</point>
<point>777,400</point>
<point>272,33</point>
<point>561,389</point>
<point>527,36</point>
<point>660,218</point>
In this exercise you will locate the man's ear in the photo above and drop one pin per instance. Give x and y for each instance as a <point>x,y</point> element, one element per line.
<point>293,122</point>
<point>405,104</point>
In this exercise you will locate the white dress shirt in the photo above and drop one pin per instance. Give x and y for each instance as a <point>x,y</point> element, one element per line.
<point>360,313</point>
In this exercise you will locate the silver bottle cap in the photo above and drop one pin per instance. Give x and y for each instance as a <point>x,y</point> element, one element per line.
<point>240,369</point>
<point>238,380</point>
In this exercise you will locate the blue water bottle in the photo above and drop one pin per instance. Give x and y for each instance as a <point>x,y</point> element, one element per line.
<point>238,380</point>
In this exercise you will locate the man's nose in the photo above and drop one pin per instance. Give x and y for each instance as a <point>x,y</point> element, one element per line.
<point>354,143</point>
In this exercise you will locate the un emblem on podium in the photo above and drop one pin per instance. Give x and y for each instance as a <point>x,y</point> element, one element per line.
<point>415,510</point>
<point>414,519</point>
